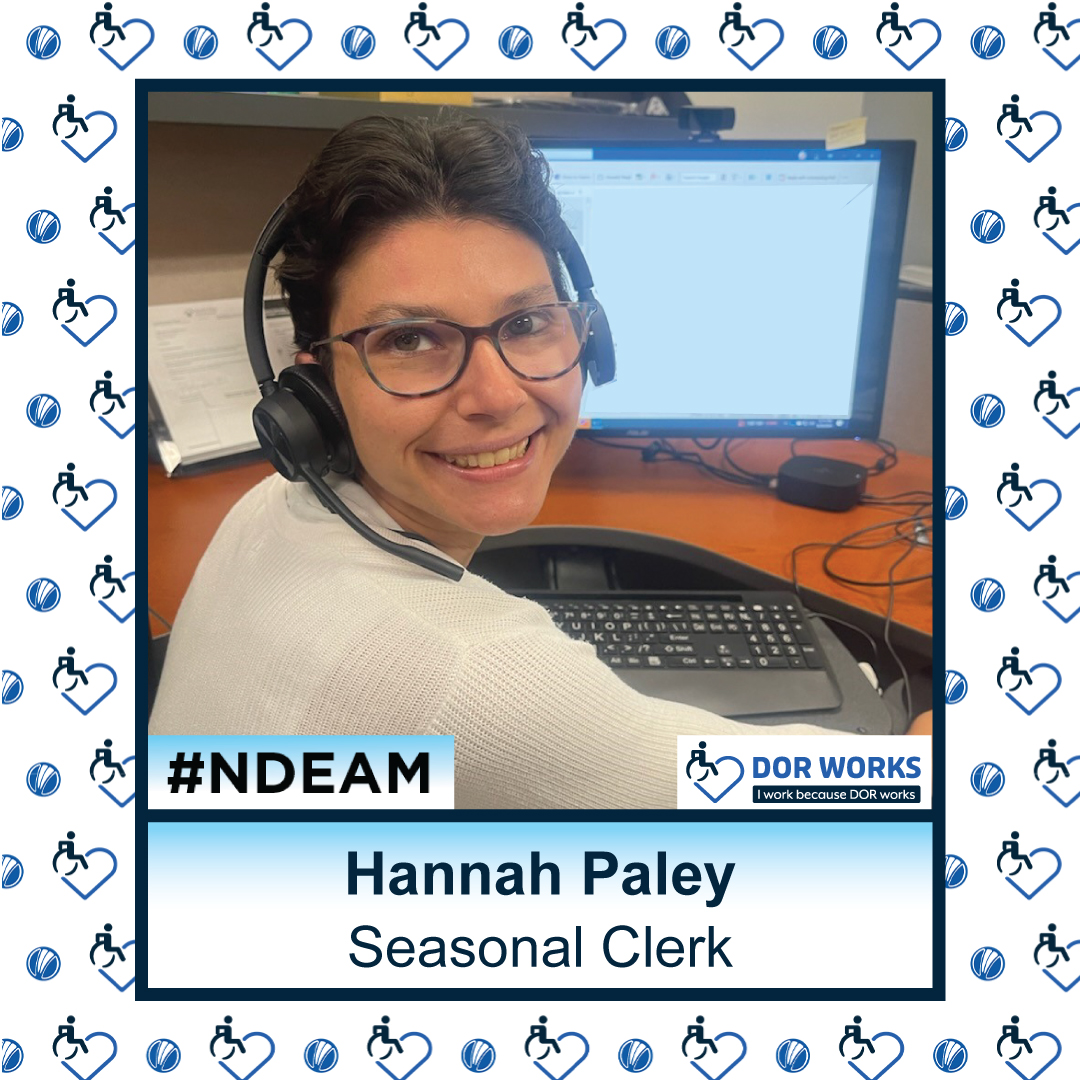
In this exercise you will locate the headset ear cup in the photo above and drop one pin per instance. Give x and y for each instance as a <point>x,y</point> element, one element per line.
<point>600,349</point>
<point>310,387</point>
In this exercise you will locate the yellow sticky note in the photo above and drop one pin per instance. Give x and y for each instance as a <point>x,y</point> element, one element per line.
<point>849,133</point>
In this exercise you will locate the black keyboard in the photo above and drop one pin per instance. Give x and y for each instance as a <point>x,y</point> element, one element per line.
<point>740,654</point>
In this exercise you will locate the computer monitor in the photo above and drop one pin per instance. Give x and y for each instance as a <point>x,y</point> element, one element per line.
<point>750,286</point>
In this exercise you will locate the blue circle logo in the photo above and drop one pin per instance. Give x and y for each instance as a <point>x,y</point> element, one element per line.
<point>163,1055</point>
<point>987,594</point>
<point>956,687</point>
<point>830,42</point>
<point>320,1055</point>
<point>987,964</point>
<point>11,318</point>
<point>956,319</point>
<point>478,1055</point>
<point>955,871</point>
<point>950,1055</point>
<point>515,42</point>
<point>43,226</point>
<point>358,43</point>
<point>11,134</point>
<point>43,779</point>
<point>672,43</point>
<point>793,1055</point>
<point>956,503</point>
<point>12,872</point>
<point>956,133</point>
<point>43,43</point>
<point>11,1056</point>
<point>43,410</point>
<point>11,503</point>
<point>988,226</point>
<point>11,687</point>
<point>987,779</point>
<point>987,42</point>
<point>43,963</point>
<point>200,43</point>
<point>43,594</point>
<point>635,1055</point>
<point>988,410</point>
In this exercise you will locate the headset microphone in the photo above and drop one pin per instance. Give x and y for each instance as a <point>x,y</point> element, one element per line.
<point>300,423</point>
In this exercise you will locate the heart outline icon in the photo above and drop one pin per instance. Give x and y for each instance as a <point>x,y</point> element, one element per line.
<point>409,1035</point>
<point>1064,67</point>
<point>123,619</point>
<point>1076,610</point>
<point>132,59</point>
<point>768,52</point>
<point>883,1071</point>
<point>1032,1038</point>
<point>1045,698</point>
<point>250,1034</point>
<point>103,972</point>
<point>86,895</point>
<point>742,773</point>
<point>131,428</point>
<point>94,704</point>
<point>104,1034</point>
<point>100,145</point>
<point>124,251</point>
<point>608,55</point>
<point>1063,250</point>
<point>95,520</point>
<point>1053,138</point>
<point>1073,430</point>
<point>921,56</point>
<point>567,1072</point>
<point>1044,515</point>
<point>1038,889</point>
<point>720,1075</point>
<point>1050,975</point>
<point>1048,326</point>
<point>103,788</point>
<point>446,59</point>
<point>1050,791</point>
<point>97,333</point>
<point>281,67</point>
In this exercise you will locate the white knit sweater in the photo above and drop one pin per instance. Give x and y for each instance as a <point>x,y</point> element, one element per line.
<point>296,625</point>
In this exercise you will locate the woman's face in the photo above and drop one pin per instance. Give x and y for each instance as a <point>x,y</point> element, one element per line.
<point>470,272</point>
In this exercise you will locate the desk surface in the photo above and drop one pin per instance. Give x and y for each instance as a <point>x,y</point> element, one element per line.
<point>601,485</point>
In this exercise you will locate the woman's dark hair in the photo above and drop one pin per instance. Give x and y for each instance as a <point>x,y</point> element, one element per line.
<point>380,171</point>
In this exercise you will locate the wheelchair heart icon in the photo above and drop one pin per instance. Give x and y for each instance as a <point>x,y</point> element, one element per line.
<point>101,329</point>
<point>1029,159</point>
<point>1046,1064</point>
<point>439,64</point>
<point>1043,681</point>
<point>293,55</point>
<point>104,142</point>
<point>112,611</point>
<point>1035,504</point>
<point>116,431</point>
<point>1050,975</point>
<point>716,798</point>
<point>882,1071</point>
<point>109,240</point>
<point>250,1035</point>
<point>1067,615</point>
<point>91,706</point>
<point>751,64</point>
<point>108,52</point>
<point>1057,792</point>
<point>101,881</point>
<point>1045,881</point>
<point>101,1065</point>
<point>1049,326</point>
<point>118,795</point>
<point>577,1061</point>
<point>121,986</point>
<point>416,1065</point>
<point>611,52</point>
<point>86,526</point>
<point>717,1039</point>
<point>926,52</point>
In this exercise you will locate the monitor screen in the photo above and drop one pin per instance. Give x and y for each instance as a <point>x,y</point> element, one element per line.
<point>747,285</point>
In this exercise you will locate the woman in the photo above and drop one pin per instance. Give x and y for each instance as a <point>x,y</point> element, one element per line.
<point>294,624</point>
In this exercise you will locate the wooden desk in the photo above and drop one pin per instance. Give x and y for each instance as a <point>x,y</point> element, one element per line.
<point>600,485</point>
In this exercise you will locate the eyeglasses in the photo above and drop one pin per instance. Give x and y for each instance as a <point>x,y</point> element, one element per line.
<point>418,357</point>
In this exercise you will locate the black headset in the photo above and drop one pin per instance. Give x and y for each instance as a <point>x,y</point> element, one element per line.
<point>300,423</point>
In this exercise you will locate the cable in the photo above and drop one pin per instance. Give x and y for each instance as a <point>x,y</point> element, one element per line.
<point>761,477</point>
<point>160,618</point>
<point>662,450</point>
